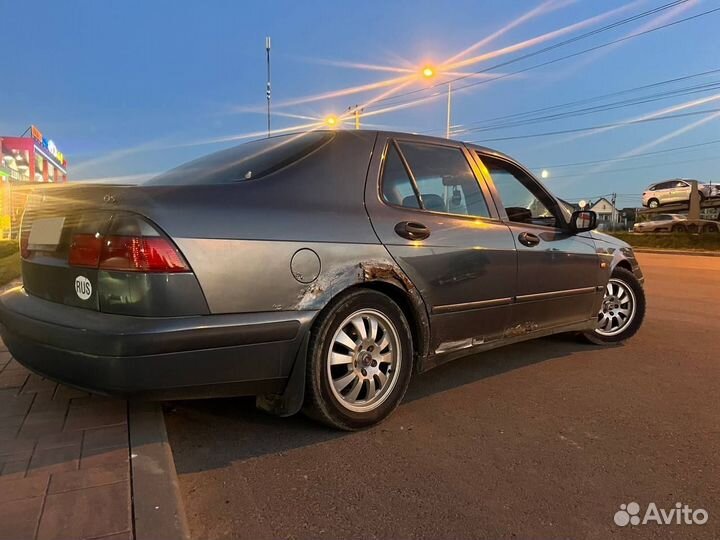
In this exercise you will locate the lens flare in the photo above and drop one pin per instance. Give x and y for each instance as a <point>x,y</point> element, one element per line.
<point>649,116</point>
<point>652,23</point>
<point>659,140</point>
<point>360,65</point>
<point>542,9</point>
<point>540,39</point>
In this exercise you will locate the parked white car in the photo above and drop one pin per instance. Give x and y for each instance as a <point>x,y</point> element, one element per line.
<point>671,191</point>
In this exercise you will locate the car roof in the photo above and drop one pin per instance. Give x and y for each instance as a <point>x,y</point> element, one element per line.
<point>425,138</point>
<point>443,140</point>
<point>408,135</point>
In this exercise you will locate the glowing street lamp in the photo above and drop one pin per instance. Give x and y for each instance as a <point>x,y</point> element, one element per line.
<point>429,72</point>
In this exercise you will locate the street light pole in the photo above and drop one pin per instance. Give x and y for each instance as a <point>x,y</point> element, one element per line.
<point>267,90</point>
<point>449,105</point>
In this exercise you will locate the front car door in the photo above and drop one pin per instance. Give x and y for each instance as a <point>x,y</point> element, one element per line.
<point>436,218</point>
<point>680,191</point>
<point>559,280</point>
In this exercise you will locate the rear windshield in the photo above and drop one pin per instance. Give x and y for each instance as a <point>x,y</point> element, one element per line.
<point>245,162</point>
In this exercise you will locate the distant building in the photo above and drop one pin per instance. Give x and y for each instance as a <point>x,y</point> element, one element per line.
<point>25,162</point>
<point>628,217</point>
<point>31,159</point>
<point>606,212</point>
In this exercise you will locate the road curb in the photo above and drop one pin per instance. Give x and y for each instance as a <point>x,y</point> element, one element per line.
<point>158,511</point>
<point>678,252</point>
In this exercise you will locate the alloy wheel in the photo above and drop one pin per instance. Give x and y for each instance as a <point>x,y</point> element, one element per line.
<point>618,308</point>
<point>363,361</point>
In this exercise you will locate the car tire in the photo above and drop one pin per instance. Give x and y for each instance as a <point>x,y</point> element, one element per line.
<point>678,228</point>
<point>341,379</point>
<point>653,203</point>
<point>711,228</point>
<point>623,289</point>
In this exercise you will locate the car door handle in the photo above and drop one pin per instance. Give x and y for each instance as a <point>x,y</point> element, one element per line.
<point>412,230</point>
<point>528,239</point>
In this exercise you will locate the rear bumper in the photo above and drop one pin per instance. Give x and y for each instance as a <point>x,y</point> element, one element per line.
<point>154,357</point>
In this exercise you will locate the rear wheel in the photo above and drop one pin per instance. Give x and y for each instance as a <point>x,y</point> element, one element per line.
<point>653,203</point>
<point>678,228</point>
<point>710,228</point>
<point>359,361</point>
<point>622,311</point>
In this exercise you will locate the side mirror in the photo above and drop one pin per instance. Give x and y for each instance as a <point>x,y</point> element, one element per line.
<point>583,221</point>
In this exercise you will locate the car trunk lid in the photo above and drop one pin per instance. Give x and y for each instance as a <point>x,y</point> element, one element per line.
<point>52,217</point>
<point>74,239</point>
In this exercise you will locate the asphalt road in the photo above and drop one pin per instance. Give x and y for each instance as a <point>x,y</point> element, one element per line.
<point>542,439</point>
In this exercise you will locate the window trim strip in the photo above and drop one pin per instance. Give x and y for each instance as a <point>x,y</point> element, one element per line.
<point>467,306</point>
<point>408,171</point>
<point>555,294</point>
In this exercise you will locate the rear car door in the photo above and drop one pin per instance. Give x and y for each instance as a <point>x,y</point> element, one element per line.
<point>438,222</point>
<point>559,280</point>
<point>664,192</point>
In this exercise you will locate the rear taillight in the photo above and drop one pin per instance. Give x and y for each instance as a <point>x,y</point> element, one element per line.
<point>141,254</point>
<point>85,250</point>
<point>138,248</point>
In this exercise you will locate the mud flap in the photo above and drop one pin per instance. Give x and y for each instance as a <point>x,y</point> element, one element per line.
<point>291,400</point>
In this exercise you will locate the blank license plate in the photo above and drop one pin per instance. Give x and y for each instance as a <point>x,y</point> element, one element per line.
<point>46,232</point>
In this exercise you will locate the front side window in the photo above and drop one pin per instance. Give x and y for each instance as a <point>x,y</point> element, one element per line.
<point>444,179</point>
<point>523,199</point>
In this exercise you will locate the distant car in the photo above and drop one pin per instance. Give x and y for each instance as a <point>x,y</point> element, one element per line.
<point>315,271</point>
<point>675,223</point>
<point>673,191</point>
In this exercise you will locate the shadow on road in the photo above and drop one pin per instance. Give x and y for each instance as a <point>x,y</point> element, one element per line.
<point>496,362</point>
<point>209,434</point>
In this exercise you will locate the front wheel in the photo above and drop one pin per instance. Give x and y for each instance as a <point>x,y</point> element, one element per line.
<point>622,311</point>
<point>360,360</point>
<point>653,203</point>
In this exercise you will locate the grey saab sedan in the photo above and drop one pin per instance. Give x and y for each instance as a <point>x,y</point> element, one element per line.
<point>316,271</point>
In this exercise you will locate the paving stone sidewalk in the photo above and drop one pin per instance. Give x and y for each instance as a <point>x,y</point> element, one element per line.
<point>64,460</point>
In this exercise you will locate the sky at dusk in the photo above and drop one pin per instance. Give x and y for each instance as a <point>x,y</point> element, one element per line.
<point>128,89</point>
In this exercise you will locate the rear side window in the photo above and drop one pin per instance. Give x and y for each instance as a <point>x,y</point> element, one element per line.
<point>397,185</point>
<point>245,162</point>
<point>444,179</point>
